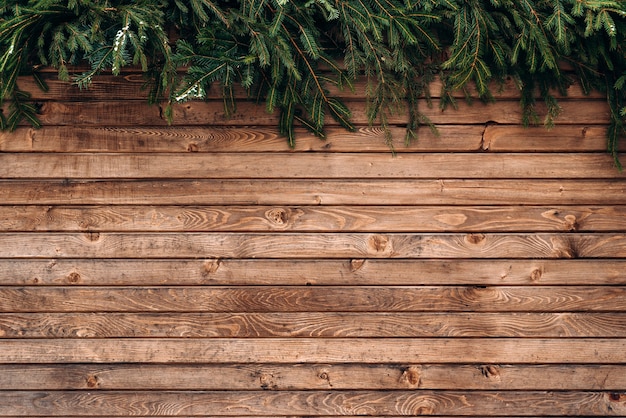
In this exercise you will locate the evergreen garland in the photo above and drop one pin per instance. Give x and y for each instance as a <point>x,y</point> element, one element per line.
<point>288,52</point>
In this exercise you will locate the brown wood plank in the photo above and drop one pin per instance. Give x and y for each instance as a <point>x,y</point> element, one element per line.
<point>128,86</point>
<point>449,138</point>
<point>121,272</point>
<point>225,139</point>
<point>307,166</point>
<point>508,138</point>
<point>384,403</point>
<point>310,245</point>
<point>312,377</point>
<point>317,350</point>
<point>312,218</point>
<point>313,324</point>
<point>129,113</point>
<point>313,299</point>
<point>316,192</point>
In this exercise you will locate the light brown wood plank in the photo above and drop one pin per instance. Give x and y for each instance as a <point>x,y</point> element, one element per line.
<point>312,218</point>
<point>129,113</point>
<point>121,272</point>
<point>312,377</point>
<point>316,192</point>
<point>313,298</point>
<point>317,350</point>
<point>507,138</point>
<point>310,245</point>
<point>313,403</point>
<point>307,166</point>
<point>312,324</point>
<point>224,139</point>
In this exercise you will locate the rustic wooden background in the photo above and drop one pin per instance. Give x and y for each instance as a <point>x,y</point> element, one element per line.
<point>205,269</point>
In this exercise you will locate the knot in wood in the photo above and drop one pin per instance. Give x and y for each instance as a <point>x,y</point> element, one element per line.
<point>92,381</point>
<point>73,277</point>
<point>93,236</point>
<point>475,239</point>
<point>379,243</point>
<point>356,264</point>
<point>536,274</point>
<point>211,266</point>
<point>192,147</point>
<point>617,397</point>
<point>571,223</point>
<point>490,372</point>
<point>411,376</point>
<point>277,216</point>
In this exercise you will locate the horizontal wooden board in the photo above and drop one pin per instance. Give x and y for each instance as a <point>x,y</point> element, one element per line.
<point>561,139</point>
<point>318,350</point>
<point>129,86</point>
<point>307,166</point>
<point>312,299</point>
<point>315,192</point>
<point>129,272</point>
<point>448,138</point>
<point>249,139</point>
<point>310,245</point>
<point>312,218</point>
<point>313,324</point>
<point>98,377</point>
<point>395,403</point>
<point>196,113</point>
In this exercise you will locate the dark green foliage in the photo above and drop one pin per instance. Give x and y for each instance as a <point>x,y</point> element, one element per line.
<point>287,53</point>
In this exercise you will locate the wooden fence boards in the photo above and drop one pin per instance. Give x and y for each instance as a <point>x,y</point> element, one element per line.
<point>206,269</point>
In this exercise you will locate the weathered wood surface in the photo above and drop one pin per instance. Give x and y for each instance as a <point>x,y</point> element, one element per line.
<point>136,113</point>
<point>307,272</point>
<point>392,323</point>
<point>312,350</point>
<point>312,218</point>
<point>305,403</point>
<point>303,376</point>
<point>206,269</point>
<point>314,299</point>
<point>315,192</point>
<point>311,166</point>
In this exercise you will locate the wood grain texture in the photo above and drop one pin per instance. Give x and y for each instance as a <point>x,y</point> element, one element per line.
<point>310,245</point>
<point>317,350</point>
<point>226,139</point>
<point>315,192</point>
<point>448,138</point>
<point>351,272</point>
<point>311,218</point>
<point>196,113</point>
<point>129,86</point>
<point>306,403</point>
<point>312,324</point>
<point>313,299</point>
<point>97,377</point>
<point>307,166</point>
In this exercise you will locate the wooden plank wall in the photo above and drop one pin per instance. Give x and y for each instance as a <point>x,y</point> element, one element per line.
<point>205,269</point>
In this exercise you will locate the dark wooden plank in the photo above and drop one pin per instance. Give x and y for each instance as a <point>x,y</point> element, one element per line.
<point>316,350</point>
<point>129,113</point>
<point>449,138</point>
<point>310,245</point>
<point>307,166</point>
<point>312,377</point>
<point>312,218</point>
<point>123,272</point>
<point>313,324</point>
<point>128,86</point>
<point>316,192</point>
<point>225,139</point>
<point>313,403</point>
